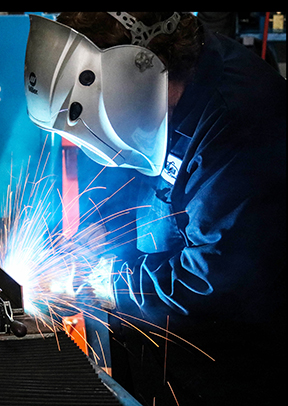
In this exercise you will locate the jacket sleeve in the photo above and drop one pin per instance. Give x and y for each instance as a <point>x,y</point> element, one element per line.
<point>232,194</point>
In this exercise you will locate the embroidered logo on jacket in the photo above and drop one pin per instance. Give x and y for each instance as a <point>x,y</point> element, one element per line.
<point>170,172</point>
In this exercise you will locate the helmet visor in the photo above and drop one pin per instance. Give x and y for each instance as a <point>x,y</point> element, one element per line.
<point>112,103</point>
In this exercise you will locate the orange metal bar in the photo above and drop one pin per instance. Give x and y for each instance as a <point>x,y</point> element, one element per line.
<point>74,327</point>
<point>70,189</point>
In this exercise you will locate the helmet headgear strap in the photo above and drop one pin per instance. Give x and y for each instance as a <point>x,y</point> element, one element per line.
<point>141,33</point>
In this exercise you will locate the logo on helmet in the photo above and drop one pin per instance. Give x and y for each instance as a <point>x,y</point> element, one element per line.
<point>32,81</point>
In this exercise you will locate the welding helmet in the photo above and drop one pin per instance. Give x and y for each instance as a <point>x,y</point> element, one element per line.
<point>112,103</point>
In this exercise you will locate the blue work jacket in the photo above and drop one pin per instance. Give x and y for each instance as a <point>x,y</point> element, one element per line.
<point>217,234</point>
<point>210,244</point>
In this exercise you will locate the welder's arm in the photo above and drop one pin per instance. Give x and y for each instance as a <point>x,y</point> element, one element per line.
<point>232,214</point>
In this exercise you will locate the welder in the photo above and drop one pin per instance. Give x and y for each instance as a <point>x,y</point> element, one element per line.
<point>201,119</point>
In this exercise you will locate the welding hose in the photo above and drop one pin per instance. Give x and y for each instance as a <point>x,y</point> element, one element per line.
<point>265,35</point>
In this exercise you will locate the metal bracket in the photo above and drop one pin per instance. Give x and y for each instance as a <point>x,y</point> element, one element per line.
<point>143,60</point>
<point>141,33</point>
<point>6,315</point>
<point>7,321</point>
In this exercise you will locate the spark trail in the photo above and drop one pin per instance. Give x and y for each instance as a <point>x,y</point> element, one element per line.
<point>61,277</point>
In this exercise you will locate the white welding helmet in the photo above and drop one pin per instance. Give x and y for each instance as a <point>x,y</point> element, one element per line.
<point>112,103</point>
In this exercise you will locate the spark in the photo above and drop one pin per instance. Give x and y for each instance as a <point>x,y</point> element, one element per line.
<point>56,336</point>
<point>40,260</point>
<point>172,391</point>
<point>154,242</point>
<point>61,276</point>
<point>127,323</point>
<point>170,332</point>
<point>44,262</point>
<point>102,351</point>
<point>166,348</point>
<point>161,336</point>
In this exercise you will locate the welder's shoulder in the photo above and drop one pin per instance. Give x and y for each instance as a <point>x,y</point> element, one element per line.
<point>253,91</point>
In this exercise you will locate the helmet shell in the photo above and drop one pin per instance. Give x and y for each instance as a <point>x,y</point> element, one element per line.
<point>112,103</point>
